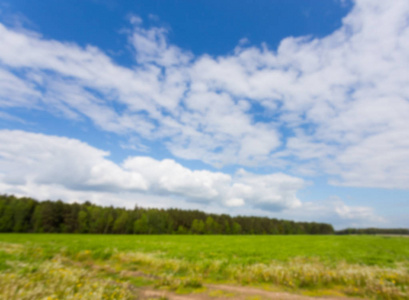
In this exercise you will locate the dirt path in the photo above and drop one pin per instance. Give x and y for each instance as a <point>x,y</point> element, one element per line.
<point>211,291</point>
<point>216,292</point>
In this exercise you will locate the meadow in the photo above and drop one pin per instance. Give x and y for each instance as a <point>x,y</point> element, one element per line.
<point>70,266</point>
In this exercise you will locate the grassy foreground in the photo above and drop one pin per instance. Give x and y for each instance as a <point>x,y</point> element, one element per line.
<point>46,266</point>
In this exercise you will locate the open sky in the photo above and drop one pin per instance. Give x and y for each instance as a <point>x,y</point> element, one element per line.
<point>290,109</point>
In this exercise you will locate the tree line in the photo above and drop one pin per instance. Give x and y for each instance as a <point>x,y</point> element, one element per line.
<point>29,215</point>
<point>397,231</point>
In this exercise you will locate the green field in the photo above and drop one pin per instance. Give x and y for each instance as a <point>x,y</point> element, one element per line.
<point>120,266</point>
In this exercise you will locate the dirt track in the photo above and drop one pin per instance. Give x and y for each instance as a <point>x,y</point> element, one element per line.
<point>212,291</point>
<point>215,292</point>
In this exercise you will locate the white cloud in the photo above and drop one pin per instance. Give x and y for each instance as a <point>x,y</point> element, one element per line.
<point>167,176</point>
<point>30,163</point>
<point>52,167</point>
<point>28,158</point>
<point>151,47</point>
<point>334,211</point>
<point>342,100</point>
<point>270,191</point>
<point>15,91</point>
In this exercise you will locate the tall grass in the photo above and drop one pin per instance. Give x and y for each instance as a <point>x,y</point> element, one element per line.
<point>56,267</point>
<point>53,279</point>
<point>296,274</point>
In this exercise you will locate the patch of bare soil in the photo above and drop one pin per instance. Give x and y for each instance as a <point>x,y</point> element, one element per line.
<point>211,291</point>
<point>215,292</point>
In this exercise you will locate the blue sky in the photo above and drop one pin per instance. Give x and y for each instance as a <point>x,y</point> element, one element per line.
<point>289,109</point>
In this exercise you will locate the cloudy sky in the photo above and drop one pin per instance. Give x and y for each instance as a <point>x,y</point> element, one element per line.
<point>289,109</point>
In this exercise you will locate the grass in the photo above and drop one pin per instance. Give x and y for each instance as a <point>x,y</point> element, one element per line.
<point>365,266</point>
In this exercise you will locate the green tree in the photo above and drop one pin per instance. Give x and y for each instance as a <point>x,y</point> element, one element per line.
<point>236,228</point>
<point>109,221</point>
<point>182,230</point>
<point>198,226</point>
<point>120,224</point>
<point>6,219</point>
<point>141,225</point>
<point>22,211</point>
<point>227,229</point>
<point>83,222</point>
<point>70,218</point>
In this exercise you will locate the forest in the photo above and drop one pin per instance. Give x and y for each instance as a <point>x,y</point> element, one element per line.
<point>31,216</point>
<point>385,231</point>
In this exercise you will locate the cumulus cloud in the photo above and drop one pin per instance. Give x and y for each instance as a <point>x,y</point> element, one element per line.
<point>31,163</point>
<point>334,210</point>
<point>337,104</point>
<point>52,167</point>
<point>28,158</point>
